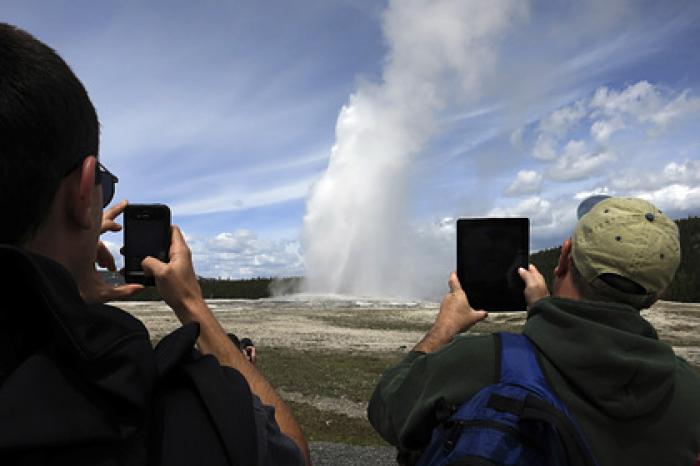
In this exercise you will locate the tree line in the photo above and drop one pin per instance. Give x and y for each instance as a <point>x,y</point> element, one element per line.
<point>686,284</point>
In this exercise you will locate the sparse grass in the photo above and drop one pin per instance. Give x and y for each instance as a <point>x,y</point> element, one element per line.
<point>683,328</point>
<point>679,341</point>
<point>375,323</point>
<point>331,374</point>
<point>324,426</point>
<point>328,374</point>
<point>683,312</point>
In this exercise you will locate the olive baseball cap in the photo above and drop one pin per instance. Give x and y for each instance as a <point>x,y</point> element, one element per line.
<point>625,237</point>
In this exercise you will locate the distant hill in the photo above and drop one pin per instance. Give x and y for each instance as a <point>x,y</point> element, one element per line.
<point>686,284</point>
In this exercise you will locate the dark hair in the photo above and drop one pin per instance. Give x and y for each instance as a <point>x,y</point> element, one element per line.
<point>47,126</point>
<point>616,284</point>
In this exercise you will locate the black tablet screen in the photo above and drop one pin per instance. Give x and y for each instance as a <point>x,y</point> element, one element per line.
<point>489,252</point>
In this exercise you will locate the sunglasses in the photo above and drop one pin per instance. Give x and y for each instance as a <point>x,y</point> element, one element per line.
<point>103,177</point>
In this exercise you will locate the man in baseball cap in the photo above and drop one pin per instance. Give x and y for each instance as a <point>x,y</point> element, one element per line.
<point>636,402</point>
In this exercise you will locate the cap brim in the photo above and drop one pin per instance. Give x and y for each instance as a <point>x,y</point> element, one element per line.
<point>587,204</point>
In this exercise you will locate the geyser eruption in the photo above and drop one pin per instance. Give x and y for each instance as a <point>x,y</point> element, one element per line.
<point>357,233</point>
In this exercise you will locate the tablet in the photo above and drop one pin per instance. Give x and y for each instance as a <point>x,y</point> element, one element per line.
<point>489,253</point>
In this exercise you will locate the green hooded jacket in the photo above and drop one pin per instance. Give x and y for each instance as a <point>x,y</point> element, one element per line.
<point>636,402</point>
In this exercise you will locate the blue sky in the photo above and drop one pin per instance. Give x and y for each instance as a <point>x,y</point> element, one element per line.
<point>228,111</point>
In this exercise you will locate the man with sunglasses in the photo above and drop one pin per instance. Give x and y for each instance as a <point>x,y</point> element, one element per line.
<point>636,402</point>
<point>79,380</point>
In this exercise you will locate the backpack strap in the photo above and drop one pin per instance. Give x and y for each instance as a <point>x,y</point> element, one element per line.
<point>519,366</point>
<point>203,412</point>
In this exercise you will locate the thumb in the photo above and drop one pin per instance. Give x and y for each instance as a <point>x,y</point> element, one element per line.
<point>454,283</point>
<point>480,315</point>
<point>526,275</point>
<point>152,266</point>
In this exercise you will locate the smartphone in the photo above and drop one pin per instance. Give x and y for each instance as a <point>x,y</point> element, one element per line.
<point>146,233</point>
<point>489,253</point>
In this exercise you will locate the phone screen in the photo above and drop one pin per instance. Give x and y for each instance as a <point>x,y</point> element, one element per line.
<point>489,253</point>
<point>146,238</point>
<point>146,233</point>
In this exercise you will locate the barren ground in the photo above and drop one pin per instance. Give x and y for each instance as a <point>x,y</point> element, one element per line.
<point>372,327</point>
<point>352,332</point>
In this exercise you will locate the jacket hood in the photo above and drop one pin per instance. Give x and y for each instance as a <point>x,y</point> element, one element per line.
<point>607,351</point>
<point>69,372</point>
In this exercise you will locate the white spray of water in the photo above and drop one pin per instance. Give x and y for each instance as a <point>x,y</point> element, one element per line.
<point>357,235</point>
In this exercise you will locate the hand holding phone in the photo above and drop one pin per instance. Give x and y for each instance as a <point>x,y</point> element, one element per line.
<point>176,280</point>
<point>146,233</point>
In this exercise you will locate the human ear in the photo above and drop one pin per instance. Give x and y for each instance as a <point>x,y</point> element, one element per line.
<point>81,199</point>
<point>564,259</point>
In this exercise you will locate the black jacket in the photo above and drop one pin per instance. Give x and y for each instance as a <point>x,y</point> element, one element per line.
<point>81,384</point>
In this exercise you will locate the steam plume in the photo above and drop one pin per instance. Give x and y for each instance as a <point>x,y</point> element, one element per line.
<point>357,236</point>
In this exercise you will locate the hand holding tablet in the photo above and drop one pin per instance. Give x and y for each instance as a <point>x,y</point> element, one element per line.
<point>489,253</point>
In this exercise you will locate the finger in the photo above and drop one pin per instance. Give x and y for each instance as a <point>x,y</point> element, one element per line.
<point>152,266</point>
<point>115,211</point>
<point>124,291</point>
<point>178,245</point>
<point>526,276</point>
<point>110,225</point>
<point>454,283</point>
<point>480,315</point>
<point>104,257</point>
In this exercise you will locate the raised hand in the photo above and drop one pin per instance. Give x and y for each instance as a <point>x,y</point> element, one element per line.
<point>93,288</point>
<point>455,316</point>
<point>535,285</point>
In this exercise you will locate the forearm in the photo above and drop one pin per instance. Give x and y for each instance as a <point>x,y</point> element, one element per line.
<point>436,338</point>
<point>213,340</point>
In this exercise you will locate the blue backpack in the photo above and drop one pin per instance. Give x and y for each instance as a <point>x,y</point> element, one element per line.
<point>518,421</point>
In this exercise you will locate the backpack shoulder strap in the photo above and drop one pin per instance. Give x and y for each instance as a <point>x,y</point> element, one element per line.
<point>518,363</point>
<point>203,412</point>
<point>519,366</point>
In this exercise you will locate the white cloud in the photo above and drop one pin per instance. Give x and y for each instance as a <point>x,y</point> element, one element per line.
<point>545,148</point>
<point>642,103</point>
<point>603,190</point>
<point>559,122</point>
<point>238,254</point>
<point>241,254</point>
<point>675,110</point>
<point>676,197</point>
<point>684,173</point>
<point>578,162</point>
<point>641,107</point>
<point>537,209</point>
<point>555,126</point>
<point>602,130</point>
<point>639,99</point>
<point>526,182</point>
<point>688,171</point>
